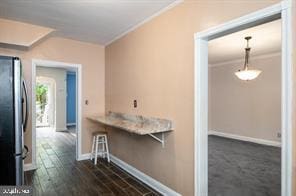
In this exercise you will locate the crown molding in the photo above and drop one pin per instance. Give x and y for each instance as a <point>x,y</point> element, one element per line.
<point>173,4</point>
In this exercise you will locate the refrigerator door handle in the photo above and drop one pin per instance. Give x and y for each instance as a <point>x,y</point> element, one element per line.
<point>25,118</point>
<point>25,152</point>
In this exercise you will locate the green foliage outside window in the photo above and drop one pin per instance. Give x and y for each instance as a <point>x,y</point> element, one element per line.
<point>41,96</point>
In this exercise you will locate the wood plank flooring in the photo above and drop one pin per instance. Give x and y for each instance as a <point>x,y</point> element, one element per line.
<point>59,173</point>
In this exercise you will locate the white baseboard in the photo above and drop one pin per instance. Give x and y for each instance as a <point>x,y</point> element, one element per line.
<point>161,188</point>
<point>244,138</point>
<point>84,157</point>
<point>144,178</point>
<point>61,129</point>
<point>29,166</point>
<point>71,124</point>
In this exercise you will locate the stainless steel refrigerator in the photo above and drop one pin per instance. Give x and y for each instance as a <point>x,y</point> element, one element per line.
<point>13,121</point>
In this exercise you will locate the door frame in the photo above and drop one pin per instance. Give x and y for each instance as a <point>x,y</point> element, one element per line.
<point>281,10</point>
<point>78,70</point>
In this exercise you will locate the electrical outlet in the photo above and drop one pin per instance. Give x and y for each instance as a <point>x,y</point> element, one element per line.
<point>279,135</point>
<point>135,104</point>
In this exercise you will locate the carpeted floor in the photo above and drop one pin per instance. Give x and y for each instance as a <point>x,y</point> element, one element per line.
<point>238,168</point>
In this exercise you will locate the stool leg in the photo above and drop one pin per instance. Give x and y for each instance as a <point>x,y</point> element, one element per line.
<point>107,149</point>
<point>93,148</point>
<point>103,147</point>
<point>96,153</point>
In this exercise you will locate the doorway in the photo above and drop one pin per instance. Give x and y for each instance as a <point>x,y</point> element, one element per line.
<point>279,11</point>
<point>244,145</point>
<point>49,112</point>
<point>45,102</point>
<point>71,102</point>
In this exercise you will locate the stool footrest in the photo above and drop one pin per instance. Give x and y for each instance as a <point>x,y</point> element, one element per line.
<point>101,152</point>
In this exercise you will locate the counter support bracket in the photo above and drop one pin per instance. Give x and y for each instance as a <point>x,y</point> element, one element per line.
<point>161,140</point>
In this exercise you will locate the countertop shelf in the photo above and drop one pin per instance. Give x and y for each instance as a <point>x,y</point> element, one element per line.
<point>136,124</point>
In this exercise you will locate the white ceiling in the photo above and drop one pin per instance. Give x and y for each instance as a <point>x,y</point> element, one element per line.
<point>97,21</point>
<point>266,39</point>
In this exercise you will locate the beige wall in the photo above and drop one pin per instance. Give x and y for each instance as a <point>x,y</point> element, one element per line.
<point>59,75</point>
<point>20,34</point>
<point>246,108</point>
<point>154,64</point>
<point>90,56</point>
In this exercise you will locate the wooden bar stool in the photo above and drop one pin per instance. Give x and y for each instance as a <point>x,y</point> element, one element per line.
<point>99,146</point>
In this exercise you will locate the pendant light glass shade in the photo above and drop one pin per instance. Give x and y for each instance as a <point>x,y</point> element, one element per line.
<point>250,74</point>
<point>247,73</point>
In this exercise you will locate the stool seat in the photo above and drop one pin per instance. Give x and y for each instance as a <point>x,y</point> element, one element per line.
<point>99,132</point>
<point>99,146</point>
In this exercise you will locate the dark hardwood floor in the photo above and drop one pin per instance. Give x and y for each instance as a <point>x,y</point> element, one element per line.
<point>59,173</point>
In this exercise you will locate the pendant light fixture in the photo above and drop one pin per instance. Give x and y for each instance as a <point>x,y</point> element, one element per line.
<point>247,73</point>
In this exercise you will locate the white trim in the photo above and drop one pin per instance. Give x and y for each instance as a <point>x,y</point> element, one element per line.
<point>244,22</point>
<point>55,64</point>
<point>241,60</point>
<point>245,138</point>
<point>201,118</point>
<point>29,166</point>
<point>287,102</point>
<point>156,185</point>
<point>33,109</point>
<point>79,111</point>
<point>173,4</point>
<point>84,156</point>
<point>282,9</point>
<point>71,124</point>
<point>161,188</point>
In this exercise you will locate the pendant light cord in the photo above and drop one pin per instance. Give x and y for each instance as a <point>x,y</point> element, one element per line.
<point>247,55</point>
